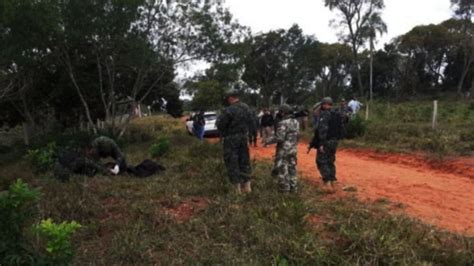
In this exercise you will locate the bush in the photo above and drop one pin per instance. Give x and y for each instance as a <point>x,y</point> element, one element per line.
<point>16,208</point>
<point>356,128</point>
<point>159,148</point>
<point>58,236</point>
<point>43,159</point>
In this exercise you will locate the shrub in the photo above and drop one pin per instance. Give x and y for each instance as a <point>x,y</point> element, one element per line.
<point>43,159</point>
<point>16,208</point>
<point>356,128</point>
<point>58,241</point>
<point>160,147</point>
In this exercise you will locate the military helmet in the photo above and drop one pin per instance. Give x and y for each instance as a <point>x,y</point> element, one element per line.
<point>231,93</point>
<point>327,100</point>
<point>285,109</point>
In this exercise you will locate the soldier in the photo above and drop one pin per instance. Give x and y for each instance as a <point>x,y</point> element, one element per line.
<point>70,162</point>
<point>234,125</point>
<point>329,132</point>
<point>286,138</point>
<point>103,147</point>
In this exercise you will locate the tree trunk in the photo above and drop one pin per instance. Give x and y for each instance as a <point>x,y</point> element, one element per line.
<point>465,70</point>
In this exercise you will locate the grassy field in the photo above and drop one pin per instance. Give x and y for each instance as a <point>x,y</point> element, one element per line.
<point>406,127</point>
<point>188,215</point>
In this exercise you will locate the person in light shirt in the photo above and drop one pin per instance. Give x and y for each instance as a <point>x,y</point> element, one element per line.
<point>355,105</point>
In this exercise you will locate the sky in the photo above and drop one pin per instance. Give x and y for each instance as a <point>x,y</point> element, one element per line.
<point>314,18</point>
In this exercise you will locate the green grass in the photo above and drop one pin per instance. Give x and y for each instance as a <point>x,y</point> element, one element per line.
<point>127,221</point>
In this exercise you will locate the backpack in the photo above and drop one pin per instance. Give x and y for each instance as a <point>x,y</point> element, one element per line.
<point>337,129</point>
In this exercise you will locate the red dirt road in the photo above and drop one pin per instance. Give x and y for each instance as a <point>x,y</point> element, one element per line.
<point>435,194</point>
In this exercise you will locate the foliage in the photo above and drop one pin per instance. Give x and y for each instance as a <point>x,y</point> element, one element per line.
<point>160,147</point>
<point>16,208</point>
<point>43,159</point>
<point>181,215</point>
<point>58,237</point>
<point>356,127</point>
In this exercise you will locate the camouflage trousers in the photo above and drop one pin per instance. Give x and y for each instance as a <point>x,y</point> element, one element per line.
<point>237,158</point>
<point>326,161</point>
<point>285,171</point>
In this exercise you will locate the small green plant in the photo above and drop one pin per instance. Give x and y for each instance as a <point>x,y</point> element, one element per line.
<point>58,241</point>
<point>17,206</point>
<point>356,128</point>
<point>160,147</point>
<point>43,159</point>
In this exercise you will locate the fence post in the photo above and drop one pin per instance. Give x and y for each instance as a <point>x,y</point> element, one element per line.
<point>435,114</point>
<point>367,112</point>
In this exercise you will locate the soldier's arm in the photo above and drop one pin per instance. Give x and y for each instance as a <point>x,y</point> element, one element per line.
<point>279,135</point>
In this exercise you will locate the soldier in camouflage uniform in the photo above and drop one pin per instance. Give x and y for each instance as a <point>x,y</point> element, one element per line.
<point>70,162</point>
<point>327,144</point>
<point>234,125</point>
<point>104,147</point>
<point>286,138</point>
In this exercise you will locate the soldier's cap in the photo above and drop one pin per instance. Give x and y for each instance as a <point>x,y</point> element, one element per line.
<point>327,100</point>
<point>231,93</point>
<point>285,108</point>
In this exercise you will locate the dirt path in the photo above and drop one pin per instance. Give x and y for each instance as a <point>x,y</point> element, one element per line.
<point>439,197</point>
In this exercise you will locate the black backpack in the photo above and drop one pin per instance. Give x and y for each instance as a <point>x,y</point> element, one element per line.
<point>337,129</point>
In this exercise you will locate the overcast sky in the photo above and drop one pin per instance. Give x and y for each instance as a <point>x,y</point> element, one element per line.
<point>313,17</point>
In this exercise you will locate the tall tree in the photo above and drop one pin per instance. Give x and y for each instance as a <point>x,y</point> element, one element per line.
<point>463,10</point>
<point>355,16</point>
<point>374,26</point>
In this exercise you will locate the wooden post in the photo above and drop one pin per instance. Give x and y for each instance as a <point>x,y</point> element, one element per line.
<point>367,112</point>
<point>435,114</point>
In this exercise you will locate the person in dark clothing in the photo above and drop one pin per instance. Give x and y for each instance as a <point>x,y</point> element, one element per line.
<point>302,117</point>
<point>328,133</point>
<point>104,147</point>
<point>233,125</point>
<point>267,124</point>
<point>199,123</point>
<point>70,162</point>
<point>253,131</point>
<point>345,111</point>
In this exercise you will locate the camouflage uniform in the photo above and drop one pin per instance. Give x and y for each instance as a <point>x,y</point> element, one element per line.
<point>325,160</point>
<point>234,125</point>
<point>286,137</point>
<point>104,147</point>
<point>69,163</point>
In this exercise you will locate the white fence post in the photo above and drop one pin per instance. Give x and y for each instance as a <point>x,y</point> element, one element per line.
<point>367,112</point>
<point>435,114</point>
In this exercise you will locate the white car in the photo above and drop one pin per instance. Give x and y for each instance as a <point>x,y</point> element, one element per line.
<point>209,129</point>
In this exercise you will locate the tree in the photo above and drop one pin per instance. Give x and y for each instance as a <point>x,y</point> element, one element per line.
<point>355,17</point>
<point>463,10</point>
<point>275,64</point>
<point>374,25</point>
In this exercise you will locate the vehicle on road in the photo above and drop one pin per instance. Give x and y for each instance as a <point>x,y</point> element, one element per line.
<point>209,129</point>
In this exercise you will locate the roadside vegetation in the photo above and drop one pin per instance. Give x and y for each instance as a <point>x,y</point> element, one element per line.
<point>189,215</point>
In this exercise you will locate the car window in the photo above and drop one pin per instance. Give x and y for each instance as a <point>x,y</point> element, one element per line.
<point>210,117</point>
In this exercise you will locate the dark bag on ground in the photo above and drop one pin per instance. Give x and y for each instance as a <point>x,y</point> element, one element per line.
<point>145,169</point>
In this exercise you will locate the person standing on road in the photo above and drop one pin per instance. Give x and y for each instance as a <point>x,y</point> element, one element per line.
<point>199,123</point>
<point>253,130</point>
<point>345,111</point>
<point>233,125</point>
<point>267,125</point>
<point>329,132</point>
<point>286,138</point>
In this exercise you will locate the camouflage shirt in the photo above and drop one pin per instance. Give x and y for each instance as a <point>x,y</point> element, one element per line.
<point>106,147</point>
<point>286,136</point>
<point>323,127</point>
<point>235,120</point>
